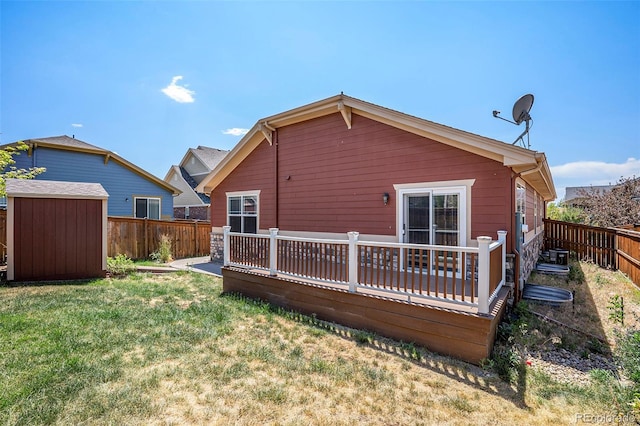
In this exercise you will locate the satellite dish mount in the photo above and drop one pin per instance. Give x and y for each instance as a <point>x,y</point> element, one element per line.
<point>520,113</point>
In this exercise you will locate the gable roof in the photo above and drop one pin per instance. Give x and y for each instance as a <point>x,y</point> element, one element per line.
<point>67,143</point>
<point>210,157</point>
<point>531,166</point>
<point>192,183</point>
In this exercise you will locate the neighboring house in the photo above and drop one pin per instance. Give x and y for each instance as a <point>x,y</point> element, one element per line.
<point>194,167</point>
<point>132,191</point>
<point>341,164</point>
<point>575,194</point>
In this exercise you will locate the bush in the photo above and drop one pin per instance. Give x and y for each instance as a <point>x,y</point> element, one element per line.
<point>576,274</point>
<point>120,265</point>
<point>628,354</point>
<point>163,254</point>
<point>506,362</point>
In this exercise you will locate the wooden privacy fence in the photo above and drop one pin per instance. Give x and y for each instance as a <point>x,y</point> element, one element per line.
<point>3,237</point>
<point>629,254</point>
<point>138,238</point>
<point>614,248</point>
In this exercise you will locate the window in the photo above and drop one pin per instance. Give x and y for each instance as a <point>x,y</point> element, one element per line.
<point>535,212</point>
<point>148,208</point>
<point>521,201</point>
<point>242,212</point>
<point>521,197</point>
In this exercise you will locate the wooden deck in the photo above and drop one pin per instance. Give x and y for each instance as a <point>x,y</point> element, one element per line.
<point>431,323</point>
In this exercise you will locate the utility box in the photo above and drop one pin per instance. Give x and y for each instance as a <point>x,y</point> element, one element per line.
<point>562,257</point>
<point>55,230</point>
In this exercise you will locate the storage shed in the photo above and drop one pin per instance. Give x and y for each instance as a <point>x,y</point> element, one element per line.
<point>55,230</point>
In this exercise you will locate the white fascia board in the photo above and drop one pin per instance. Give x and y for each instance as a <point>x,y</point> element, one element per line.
<point>57,196</point>
<point>507,154</point>
<point>246,145</point>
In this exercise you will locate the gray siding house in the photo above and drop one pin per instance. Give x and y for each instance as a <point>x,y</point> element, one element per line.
<point>194,167</point>
<point>133,192</point>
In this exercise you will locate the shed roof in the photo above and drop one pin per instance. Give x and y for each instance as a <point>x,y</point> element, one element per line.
<point>23,188</point>
<point>531,165</point>
<point>67,143</point>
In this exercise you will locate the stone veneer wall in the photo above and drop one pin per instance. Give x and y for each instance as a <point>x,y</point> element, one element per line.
<point>217,247</point>
<point>529,257</point>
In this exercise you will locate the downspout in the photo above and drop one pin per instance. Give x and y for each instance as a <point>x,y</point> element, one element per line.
<point>516,234</point>
<point>513,239</point>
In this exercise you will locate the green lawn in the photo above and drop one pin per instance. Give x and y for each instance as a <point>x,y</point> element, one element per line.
<point>170,349</point>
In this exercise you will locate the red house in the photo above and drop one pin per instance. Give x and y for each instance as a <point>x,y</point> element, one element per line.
<point>418,194</point>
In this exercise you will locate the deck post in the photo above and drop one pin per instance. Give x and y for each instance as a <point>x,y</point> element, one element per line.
<point>225,246</point>
<point>353,260</point>
<point>484,263</point>
<point>273,251</point>
<point>502,237</point>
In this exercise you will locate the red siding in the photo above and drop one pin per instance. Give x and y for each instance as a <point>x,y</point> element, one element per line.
<point>331,179</point>
<point>57,239</point>
<point>257,172</point>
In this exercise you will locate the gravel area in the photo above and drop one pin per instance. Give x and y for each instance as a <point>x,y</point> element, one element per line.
<point>569,367</point>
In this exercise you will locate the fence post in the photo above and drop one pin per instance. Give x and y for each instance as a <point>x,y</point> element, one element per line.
<point>484,263</point>
<point>225,246</point>
<point>273,252</point>
<point>502,237</point>
<point>353,260</point>
<point>146,238</point>
<point>195,235</point>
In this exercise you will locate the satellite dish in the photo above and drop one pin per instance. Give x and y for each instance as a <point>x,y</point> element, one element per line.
<point>521,109</point>
<point>520,113</point>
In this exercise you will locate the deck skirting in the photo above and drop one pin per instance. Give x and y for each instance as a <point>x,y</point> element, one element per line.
<point>463,335</point>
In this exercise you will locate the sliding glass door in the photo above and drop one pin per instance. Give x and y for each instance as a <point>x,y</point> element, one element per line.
<point>433,217</point>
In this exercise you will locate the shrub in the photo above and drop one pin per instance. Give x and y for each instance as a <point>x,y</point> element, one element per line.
<point>163,254</point>
<point>628,353</point>
<point>576,274</point>
<point>506,363</point>
<point>616,309</point>
<point>120,265</point>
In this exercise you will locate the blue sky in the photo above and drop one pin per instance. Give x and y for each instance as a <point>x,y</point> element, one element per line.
<point>148,80</point>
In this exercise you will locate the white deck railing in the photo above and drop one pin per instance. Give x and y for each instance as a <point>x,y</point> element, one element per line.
<point>466,278</point>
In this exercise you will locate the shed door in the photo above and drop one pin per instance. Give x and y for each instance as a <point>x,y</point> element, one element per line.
<point>57,239</point>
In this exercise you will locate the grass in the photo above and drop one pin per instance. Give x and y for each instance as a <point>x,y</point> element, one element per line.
<point>171,349</point>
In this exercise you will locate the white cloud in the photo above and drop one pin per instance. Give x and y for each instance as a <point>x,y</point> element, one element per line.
<point>236,131</point>
<point>179,93</point>
<point>76,125</point>
<point>592,173</point>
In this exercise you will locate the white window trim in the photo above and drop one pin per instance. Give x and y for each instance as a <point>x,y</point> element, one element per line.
<point>438,187</point>
<point>530,234</point>
<point>135,198</point>
<point>242,194</point>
